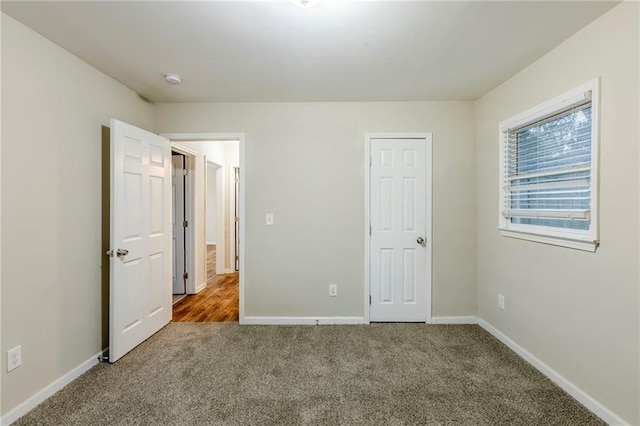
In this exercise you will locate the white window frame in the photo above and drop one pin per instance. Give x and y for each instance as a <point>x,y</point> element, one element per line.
<point>587,240</point>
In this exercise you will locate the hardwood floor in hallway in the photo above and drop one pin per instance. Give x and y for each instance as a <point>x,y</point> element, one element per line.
<point>219,302</point>
<point>211,261</point>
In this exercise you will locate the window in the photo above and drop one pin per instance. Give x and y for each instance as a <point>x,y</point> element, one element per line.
<point>548,171</point>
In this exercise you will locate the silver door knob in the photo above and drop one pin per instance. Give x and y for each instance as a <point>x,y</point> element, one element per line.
<point>122,252</point>
<point>420,241</point>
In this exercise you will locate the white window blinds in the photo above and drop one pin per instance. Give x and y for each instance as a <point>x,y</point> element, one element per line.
<point>547,169</point>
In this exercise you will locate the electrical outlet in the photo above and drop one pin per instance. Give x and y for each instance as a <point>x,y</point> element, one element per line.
<point>333,290</point>
<point>501,301</point>
<point>268,219</point>
<point>14,358</point>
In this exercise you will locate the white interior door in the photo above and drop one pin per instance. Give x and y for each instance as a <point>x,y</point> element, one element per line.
<point>140,265</point>
<point>177,192</point>
<point>399,242</point>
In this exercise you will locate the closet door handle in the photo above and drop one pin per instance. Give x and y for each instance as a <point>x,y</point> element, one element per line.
<point>119,252</point>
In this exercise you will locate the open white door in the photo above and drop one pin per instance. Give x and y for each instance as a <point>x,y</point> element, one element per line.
<point>140,265</point>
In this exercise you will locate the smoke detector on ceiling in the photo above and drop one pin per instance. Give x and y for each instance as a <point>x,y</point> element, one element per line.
<point>305,3</point>
<point>172,78</point>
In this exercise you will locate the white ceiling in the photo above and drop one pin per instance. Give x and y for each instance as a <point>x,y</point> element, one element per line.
<point>338,51</point>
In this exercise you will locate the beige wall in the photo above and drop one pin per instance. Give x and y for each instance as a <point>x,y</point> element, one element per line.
<point>53,108</point>
<point>576,311</point>
<point>305,163</point>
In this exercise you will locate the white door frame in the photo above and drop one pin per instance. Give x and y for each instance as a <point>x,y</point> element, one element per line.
<point>428,137</point>
<point>204,137</point>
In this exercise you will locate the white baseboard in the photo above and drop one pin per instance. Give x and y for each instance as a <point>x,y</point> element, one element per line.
<point>49,390</point>
<point>594,406</point>
<point>302,320</point>
<point>200,287</point>
<point>454,320</point>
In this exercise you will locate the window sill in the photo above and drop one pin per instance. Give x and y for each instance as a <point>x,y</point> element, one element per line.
<point>589,246</point>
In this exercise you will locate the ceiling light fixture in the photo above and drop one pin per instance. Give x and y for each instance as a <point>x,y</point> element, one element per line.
<point>305,3</point>
<point>172,78</point>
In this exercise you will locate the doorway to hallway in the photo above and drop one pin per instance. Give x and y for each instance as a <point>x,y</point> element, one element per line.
<point>214,231</point>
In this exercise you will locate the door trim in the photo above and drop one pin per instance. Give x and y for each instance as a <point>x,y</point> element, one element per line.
<point>202,137</point>
<point>428,138</point>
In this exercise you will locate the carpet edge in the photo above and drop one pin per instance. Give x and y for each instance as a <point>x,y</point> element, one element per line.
<point>578,394</point>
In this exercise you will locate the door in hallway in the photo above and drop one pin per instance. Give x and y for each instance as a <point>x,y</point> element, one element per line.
<point>178,171</point>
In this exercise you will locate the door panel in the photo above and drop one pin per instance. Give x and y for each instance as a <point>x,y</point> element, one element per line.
<point>409,276</point>
<point>140,276</point>
<point>399,265</point>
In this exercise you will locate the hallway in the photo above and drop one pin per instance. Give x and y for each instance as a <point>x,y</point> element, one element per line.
<point>217,303</point>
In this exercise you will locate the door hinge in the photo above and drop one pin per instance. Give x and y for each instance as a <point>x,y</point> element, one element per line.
<point>185,224</point>
<point>185,275</point>
<point>184,172</point>
<point>369,229</point>
<point>370,161</point>
<point>369,299</point>
<point>236,219</point>
<point>237,257</point>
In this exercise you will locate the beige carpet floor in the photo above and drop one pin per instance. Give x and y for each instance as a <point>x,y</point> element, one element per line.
<point>379,374</point>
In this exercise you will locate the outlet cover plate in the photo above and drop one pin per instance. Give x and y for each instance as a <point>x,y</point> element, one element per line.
<point>14,358</point>
<point>333,290</point>
<point>501,301</point>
